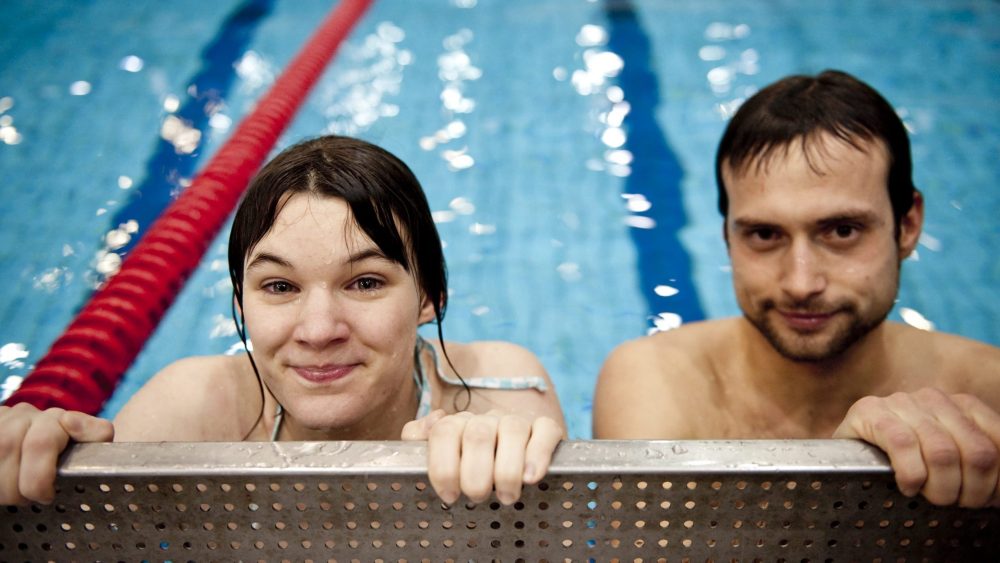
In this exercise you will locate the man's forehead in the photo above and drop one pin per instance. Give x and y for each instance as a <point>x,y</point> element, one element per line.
<point>820,151</point>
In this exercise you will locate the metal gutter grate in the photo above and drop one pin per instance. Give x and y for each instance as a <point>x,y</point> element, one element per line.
<point>817,500</point>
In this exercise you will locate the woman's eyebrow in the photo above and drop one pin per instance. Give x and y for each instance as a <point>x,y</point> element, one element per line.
<point>267,258</point>
<point>367,254</point>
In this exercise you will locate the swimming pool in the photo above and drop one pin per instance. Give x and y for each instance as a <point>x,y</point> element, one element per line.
<point>565,145</point>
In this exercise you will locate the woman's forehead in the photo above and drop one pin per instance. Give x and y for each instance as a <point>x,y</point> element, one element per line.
<point>309,219</point>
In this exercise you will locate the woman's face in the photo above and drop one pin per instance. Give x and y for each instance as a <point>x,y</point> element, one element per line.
<point>333,322</point>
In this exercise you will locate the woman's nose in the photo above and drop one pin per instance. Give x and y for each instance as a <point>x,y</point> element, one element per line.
<point>321,320</point>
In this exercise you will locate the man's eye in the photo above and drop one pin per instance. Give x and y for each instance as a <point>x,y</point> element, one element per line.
<point>844,231</point>
<point>764,234</point>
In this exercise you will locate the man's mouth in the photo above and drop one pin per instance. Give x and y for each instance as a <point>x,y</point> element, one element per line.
<point>805,321</point>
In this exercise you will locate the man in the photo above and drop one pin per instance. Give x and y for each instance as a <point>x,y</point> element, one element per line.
<point>815,188</point>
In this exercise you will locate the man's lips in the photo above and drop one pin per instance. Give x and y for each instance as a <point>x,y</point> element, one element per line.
<point>805,321</point>
<point>324,373</point>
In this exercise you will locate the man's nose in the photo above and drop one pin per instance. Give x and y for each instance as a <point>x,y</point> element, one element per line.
<point>803,271</point>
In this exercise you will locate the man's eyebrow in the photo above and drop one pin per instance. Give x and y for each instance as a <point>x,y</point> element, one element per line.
<point>267,258</point>
<point>748,223</point>
<point>860,216</point>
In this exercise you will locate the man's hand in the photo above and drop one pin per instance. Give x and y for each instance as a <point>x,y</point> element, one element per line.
<point>946,447</point>
<point>30,443</point>
<point>471,453</point>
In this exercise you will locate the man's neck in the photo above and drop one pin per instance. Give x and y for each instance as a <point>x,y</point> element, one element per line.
<point>809,399</point>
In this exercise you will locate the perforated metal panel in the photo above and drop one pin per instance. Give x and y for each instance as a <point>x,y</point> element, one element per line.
<point>603,501</point>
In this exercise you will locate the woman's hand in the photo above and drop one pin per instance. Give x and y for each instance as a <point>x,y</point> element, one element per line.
<point>473,453</point>
<point>30,443</point>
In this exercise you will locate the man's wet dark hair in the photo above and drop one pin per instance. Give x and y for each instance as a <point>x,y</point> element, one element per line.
<point>804,107</point>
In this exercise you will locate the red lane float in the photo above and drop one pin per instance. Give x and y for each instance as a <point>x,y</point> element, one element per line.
<point>85,364</point>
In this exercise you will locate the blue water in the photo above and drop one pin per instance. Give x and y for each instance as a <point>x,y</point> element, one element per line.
<point>570,223</point>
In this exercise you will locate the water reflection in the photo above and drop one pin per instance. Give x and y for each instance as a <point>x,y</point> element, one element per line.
<point>8,133</point>
<point>354,98</point>
<point>455,70</point>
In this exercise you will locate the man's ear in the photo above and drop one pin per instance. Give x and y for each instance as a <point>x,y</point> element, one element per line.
<point>910,226</point>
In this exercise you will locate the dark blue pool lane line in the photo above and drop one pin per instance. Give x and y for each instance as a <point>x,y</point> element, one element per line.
<point>206,89</point>
<point>656,171</point>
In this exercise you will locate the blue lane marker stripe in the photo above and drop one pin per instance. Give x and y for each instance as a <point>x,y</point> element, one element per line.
<point>210,86</point>
<point>656,171</point>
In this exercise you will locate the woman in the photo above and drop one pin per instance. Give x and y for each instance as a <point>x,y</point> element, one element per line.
<point>335,262</point>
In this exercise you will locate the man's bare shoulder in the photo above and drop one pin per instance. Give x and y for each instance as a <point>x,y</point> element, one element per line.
<point>686,352</point>
<point>650,387</point>
<point>954,363</point>
<point>185,400</point>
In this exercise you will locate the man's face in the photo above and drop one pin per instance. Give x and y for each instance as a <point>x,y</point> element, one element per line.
<point>813,248</point>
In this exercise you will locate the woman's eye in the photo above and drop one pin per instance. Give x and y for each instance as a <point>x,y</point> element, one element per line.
<point>369,284</point>
<point>278,287</point>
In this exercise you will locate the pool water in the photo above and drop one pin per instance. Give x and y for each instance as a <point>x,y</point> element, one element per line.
<point>566,147</point>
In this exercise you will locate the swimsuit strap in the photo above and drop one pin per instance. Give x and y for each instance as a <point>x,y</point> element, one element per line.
<point>423,389</point>
<point>504,383</point>
<point>279,416</point>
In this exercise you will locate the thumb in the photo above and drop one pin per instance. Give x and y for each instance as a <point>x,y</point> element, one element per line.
<point>420,428</point>
<point>83,427</point>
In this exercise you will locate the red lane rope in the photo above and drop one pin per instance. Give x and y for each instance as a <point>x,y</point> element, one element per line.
<point>85,364</point>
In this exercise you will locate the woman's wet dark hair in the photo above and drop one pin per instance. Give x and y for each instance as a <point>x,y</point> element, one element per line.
<point>803,107</point>
<point>385,198</point>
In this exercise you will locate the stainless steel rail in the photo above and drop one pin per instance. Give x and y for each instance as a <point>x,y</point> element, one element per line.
<point>800,500</point>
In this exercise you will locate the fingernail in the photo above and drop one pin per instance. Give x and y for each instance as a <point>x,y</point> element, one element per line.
<point>529,472</point>
<point>505,499</point>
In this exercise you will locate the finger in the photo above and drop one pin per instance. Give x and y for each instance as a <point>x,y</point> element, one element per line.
<point>512,439</point>
<point>83,427</point>
<point>12,430</point>
<point>938,445</point>
<point>872,420</point>
<point>978,429</point>
<point>545,436</point>
<point>44,440</point>
<point>444,448</point>
<point>479,444</point>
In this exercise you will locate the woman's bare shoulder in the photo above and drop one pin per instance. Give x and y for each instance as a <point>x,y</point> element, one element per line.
<point>194,398</point>
<point>494,360</point>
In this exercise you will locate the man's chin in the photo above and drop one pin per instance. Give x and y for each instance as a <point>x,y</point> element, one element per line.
<point>805,347</point>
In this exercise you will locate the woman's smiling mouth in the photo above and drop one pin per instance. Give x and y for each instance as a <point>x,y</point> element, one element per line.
<point>324,373</point>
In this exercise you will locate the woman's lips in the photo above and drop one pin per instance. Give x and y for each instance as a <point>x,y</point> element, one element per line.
<point>325,373</point>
